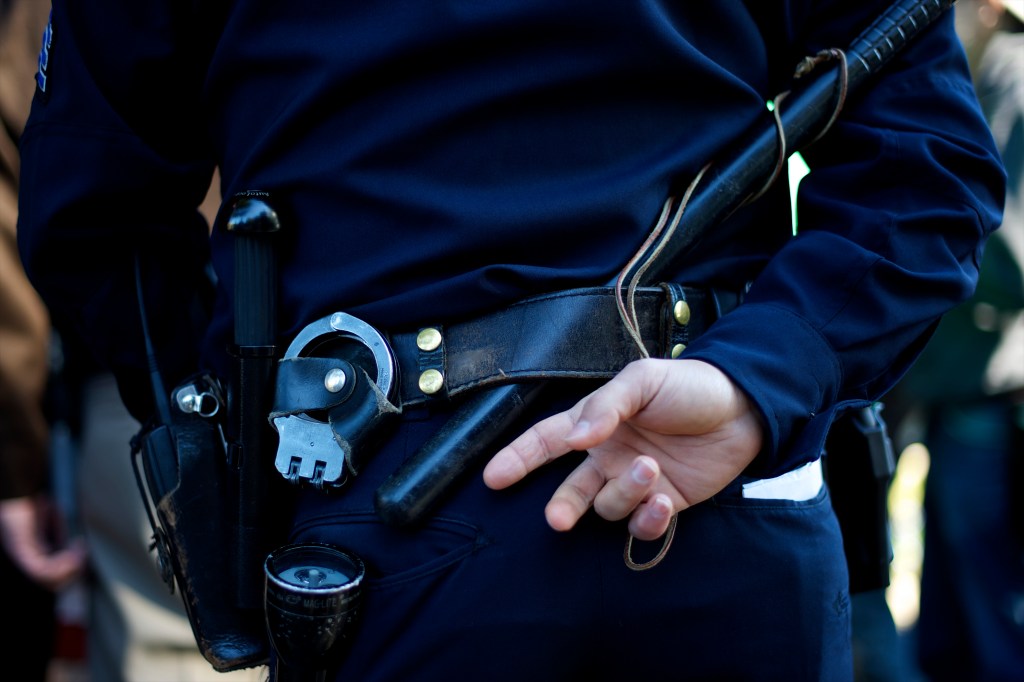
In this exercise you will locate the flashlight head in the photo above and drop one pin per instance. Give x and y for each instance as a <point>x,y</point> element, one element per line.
<point>312,601</point>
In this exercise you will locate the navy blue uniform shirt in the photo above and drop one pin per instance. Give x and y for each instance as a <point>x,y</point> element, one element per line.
<point>433,160</point>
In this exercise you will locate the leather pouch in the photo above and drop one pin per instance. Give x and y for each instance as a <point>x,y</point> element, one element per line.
<point>859,464</point>
<point>191,493</point>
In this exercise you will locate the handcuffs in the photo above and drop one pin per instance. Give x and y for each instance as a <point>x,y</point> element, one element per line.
<point>334,402</point>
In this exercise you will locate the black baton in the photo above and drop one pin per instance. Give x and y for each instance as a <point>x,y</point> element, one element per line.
<point>253,223</point>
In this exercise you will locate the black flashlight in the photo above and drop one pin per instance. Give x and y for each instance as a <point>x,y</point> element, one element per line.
<point>313,592</point>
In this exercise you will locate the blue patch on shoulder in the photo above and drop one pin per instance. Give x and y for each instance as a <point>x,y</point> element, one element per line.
<point>44,55</point>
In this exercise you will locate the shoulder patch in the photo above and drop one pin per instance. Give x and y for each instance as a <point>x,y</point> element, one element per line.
<point>44,57</point>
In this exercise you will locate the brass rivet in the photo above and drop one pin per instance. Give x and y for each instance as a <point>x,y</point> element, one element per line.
<point>431,381</point>
<point>334,380</point>
<point>678,349</point>
<point>428,339</point>
<point>681,311</point>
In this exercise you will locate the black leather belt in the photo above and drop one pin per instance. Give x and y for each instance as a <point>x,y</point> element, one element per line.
<point>572,334</point>
<point>342,382</point>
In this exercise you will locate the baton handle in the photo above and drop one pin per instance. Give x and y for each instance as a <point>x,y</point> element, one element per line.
<point>253,223</point>
<point>411,491</point>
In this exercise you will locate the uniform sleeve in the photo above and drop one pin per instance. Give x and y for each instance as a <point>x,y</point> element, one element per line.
<point>892,220</point>
<point>114,166</point>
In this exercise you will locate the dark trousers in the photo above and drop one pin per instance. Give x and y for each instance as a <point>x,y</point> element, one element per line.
<point>485,590</point>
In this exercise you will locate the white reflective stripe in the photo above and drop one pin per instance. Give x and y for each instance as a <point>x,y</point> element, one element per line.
<point>797,485</point>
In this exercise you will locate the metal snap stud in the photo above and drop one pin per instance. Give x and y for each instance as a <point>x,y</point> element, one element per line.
<point>428,339</point>
<point>681,312</point>
<point>431,381</point>
<point>334,380</point>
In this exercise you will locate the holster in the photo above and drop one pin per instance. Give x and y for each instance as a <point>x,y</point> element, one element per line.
<point>858,466</point>
<point>191,493</point>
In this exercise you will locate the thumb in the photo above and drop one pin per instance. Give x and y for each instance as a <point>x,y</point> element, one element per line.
<point>606,408</point>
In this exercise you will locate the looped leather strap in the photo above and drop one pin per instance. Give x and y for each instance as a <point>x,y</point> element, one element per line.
<point>666,542</point>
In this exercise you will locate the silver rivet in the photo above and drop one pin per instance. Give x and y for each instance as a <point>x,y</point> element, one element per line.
<point>681,311</point>
<point>428,339</point>
<point>431,381</point>
<point>334,380</point>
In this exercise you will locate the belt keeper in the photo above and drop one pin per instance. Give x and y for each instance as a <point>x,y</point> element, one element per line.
<point>253,351</point>
<point>430,361</point>
<point>677,319</point>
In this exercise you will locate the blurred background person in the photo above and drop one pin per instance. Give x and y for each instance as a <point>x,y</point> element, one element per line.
<point>963,401</point>
<point>34,565</point>
<point>136,628</point>
<point>967,395</point>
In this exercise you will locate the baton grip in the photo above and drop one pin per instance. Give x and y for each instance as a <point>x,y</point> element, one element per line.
<point>736,178</point>
<point>891,31</point>
<point>253,223</point>
<point>412,491</point>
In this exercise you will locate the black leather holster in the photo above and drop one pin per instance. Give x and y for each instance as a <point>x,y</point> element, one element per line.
<point>859,464</point>
<point>191,494</point>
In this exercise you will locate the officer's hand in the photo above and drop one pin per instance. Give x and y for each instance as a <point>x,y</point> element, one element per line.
<point>26,524</point>
<point>661,436</point>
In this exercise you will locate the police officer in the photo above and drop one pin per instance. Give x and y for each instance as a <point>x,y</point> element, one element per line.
<point>434,163</point>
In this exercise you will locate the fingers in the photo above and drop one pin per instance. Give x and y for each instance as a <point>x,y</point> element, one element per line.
<point>631,494</point>
<point>57,569</point>
<point>574,497</point>
<point>624,493</point>
<point>537,446</point>
<point>21,530</point>
<point>604,410</point>
<point>651,519</point>
<point>586,425</point>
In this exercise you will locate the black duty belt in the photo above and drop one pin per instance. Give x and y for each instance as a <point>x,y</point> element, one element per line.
<point>573,334</point>
<point>341,381</point>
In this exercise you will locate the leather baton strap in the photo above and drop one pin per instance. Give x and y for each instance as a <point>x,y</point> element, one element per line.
<point>571,334</point>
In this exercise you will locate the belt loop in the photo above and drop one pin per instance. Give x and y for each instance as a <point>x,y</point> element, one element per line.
<point>726,301</point>
<point>430,361</point>
<point>721,300</point>
<point>676,320</point>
